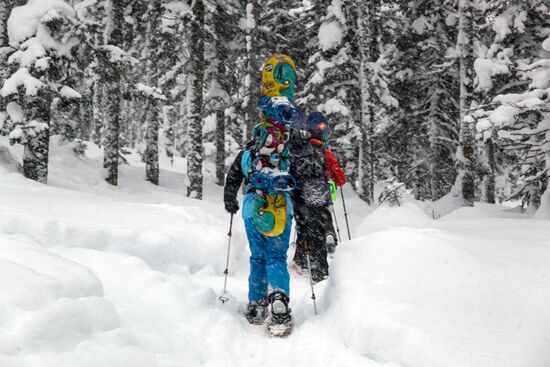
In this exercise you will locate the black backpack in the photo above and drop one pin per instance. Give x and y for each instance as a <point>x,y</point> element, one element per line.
<point>308,164</point>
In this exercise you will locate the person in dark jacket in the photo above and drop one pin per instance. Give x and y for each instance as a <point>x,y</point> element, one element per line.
<point>313,165</point>
<point>268,265</point>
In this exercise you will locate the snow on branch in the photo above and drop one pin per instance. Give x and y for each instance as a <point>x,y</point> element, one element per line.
<point>21,77</point>
<point>150,92</point>
<point>24,21</point>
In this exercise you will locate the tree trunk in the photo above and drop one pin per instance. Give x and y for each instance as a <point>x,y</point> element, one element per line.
<point>252,79</point>
<point>465,44</point>
<point>170,132</point>
<point>4,14</point>
<point>152,142</point>
<point>111,134</point>
<point>368,28</point>
<point>35,157</point>
<point>220,147</point>
<point>152,114</point>
<point>112,98</point>
<point>98,115</point>
<point>195,103</point>
<point>221,103</point>
<point>489,179</point>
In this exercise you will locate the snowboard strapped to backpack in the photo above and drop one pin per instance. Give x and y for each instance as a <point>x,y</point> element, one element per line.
<point>269,177</point>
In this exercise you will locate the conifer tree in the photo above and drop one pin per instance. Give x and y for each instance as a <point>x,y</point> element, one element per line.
<point>423,135</point>
<point>151,92</point>
<point>333,86</point>
<point>111,69</point>
<point>195,101</point>
<point>219,81</point>
<point>465,45</point>
<point>38,77</point>
<point>510,37</point>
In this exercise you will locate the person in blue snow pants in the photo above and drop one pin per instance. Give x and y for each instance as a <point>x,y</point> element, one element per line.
<point>267,262</point>
<point>268,266</point>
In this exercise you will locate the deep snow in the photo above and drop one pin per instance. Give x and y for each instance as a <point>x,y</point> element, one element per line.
<point>92,275</point>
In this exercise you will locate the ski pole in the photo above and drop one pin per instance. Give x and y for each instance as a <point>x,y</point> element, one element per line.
<point>345,211</point>
<point>336,222</point>
<point>223,297</point>
<point>310,277</point>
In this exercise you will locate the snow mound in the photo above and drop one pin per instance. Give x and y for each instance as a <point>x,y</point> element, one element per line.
<point>421,298</point>
<point>8,161</point>
<point>47,302</point>
<point>384,217</point>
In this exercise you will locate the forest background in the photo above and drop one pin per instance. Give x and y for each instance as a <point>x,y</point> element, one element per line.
<point>448,97</point>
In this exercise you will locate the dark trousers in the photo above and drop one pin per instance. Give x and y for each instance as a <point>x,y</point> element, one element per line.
<point>312,226</point>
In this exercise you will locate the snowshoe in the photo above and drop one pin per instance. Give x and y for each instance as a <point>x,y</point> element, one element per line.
<point>280,323</point>
<point>256,312</point>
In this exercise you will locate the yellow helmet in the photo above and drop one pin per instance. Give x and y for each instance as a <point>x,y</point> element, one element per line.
<point>279,77</point>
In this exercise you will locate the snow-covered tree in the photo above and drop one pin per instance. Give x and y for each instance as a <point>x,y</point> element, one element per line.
<point>510,36</point>
<point>153,97</point>
<point>219,78</point>
<point>375,95</point>
<point>420,139</point>
<point>522,125</point>
<point>332,86</point>
<point>43,36</point>
<point>112,63</point>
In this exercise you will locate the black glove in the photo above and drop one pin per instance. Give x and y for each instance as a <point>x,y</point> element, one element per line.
<point>231,205</point>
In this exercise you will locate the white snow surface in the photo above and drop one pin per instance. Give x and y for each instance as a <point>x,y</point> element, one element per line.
<point>93,275</point>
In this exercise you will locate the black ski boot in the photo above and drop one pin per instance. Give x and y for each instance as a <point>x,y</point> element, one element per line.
<point>280,323</point>
<point>256,312</point>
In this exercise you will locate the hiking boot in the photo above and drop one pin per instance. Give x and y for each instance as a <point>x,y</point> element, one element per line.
<point>280,312</point>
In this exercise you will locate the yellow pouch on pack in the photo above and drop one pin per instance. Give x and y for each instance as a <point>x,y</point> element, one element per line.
<point>270,214</point>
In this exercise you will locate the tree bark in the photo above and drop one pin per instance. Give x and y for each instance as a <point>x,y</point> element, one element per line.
<point>152,141</point>
<point>112,82</point>
<point>220,147</point>
<point>465,44</point>
<point>195,103</point>
<point>252,79</point>
<point>35,157</point>
<point>489,179</point>
<point>152,114</point>
<point>369,28</point>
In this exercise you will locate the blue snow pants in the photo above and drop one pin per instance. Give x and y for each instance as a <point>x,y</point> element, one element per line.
<point>267,262</point>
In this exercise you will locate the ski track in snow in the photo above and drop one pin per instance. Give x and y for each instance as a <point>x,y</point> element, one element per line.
<point>98,276</point>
